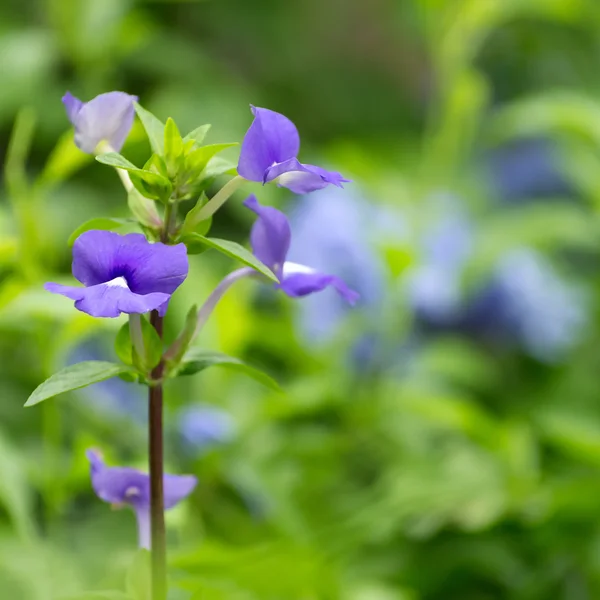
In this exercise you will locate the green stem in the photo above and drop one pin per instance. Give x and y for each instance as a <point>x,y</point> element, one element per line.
<point>213,205</point>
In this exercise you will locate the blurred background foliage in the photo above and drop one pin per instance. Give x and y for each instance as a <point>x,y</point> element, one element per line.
<point>442,441</point>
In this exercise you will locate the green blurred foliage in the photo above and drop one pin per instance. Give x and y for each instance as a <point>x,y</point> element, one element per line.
<point>456,472</point>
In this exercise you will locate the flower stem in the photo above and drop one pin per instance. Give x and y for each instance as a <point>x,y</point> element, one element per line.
<point>213,205</point>
<point>157,501</point>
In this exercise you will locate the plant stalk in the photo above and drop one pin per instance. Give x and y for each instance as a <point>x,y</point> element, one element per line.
<point>157,501</point>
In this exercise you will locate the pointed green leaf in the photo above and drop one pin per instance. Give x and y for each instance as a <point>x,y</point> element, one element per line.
<point>156,164</point>
<point>197,359</point>
<point>218,166</point>
<point>175,353</point>
<point>233,250</point>
<point>152,346</point>
<point>173,147</point>
<point>152,185</point>
<point>75,377</point>
<point>104,223</point>
<point>198,159</point>
<point>114,159</point>
<point>191,223</point>
<point>154,128</point>
<point>197,135</point>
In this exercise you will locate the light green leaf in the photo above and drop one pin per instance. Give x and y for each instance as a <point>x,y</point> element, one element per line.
<point>197,135</point>
<point>218,166</point>
<point>114,159</point>
<point>173,146</point>
<point>199,158</point>
<point>75,377</point>
<point>154,128</point>
<point>104,223</point>
<point>197,359</point>
<point>175,353</point>
<point>152,346</point>
<point>233,250</point>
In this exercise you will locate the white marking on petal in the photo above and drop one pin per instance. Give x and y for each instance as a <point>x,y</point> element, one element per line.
<point>291,268</point>
<point>118,282</point>
<point>131,492</point>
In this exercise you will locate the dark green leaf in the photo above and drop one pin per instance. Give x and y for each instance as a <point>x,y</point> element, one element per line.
<point>192,224</point>
<point>103,223</point>
<point>154,128</point>
<point>75,377</point>
<point>152,185</point>
<point>233,250</point>
<point>196,360</point>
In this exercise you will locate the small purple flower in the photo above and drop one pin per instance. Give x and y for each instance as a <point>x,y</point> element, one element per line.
<point>123,274</point>
<point>269,152</point>
<point>270,238</point>
<point>126,486</point>
<point>106,118</point>
<point>203,427</point>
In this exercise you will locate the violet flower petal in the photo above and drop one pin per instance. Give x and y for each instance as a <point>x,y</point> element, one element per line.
<point>123,274</point>
<point>272,138</point>
<point>270,235</point>
<point>301,178</point>
<point>299,281</point>
<point>72,106</point>
<point>178,487</point>
<point>107,117</point>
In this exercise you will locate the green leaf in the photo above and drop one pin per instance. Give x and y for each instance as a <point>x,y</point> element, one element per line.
<point>138,576</point>
<point>192,224</point>
<point>233,250</point>
<point>197,135</point>
<point>199,158</point>
<point>156,164</point>
<point>219,166</point>
<point>152,346</point>
<point>154,128</point>
<point>152,185</point>
<point>114,159</point>
<point>104,223</point>
<point>75,377</point>
<point>173,147</point>
<point>176,352</point>
<point>197,359</point>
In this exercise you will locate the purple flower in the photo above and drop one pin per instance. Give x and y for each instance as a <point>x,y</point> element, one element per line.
<point>270,238</point>
<point>106,118</point>
<point>269,152</point>
<point>123,274</point>
<point>126,486</point>
<point>203,427</point>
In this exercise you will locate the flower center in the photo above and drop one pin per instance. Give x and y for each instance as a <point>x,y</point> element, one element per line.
<point>118,282</point>
<point>291,268</point>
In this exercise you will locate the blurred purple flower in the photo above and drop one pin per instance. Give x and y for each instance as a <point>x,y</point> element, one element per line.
<point>126,486</point>
<point>527,169</point>
<point>270,238</point>
<point>202,427</point>
<point>123,274</point>
<point>106,118</point>
<point>269,152</point>
<point>337,232</point>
